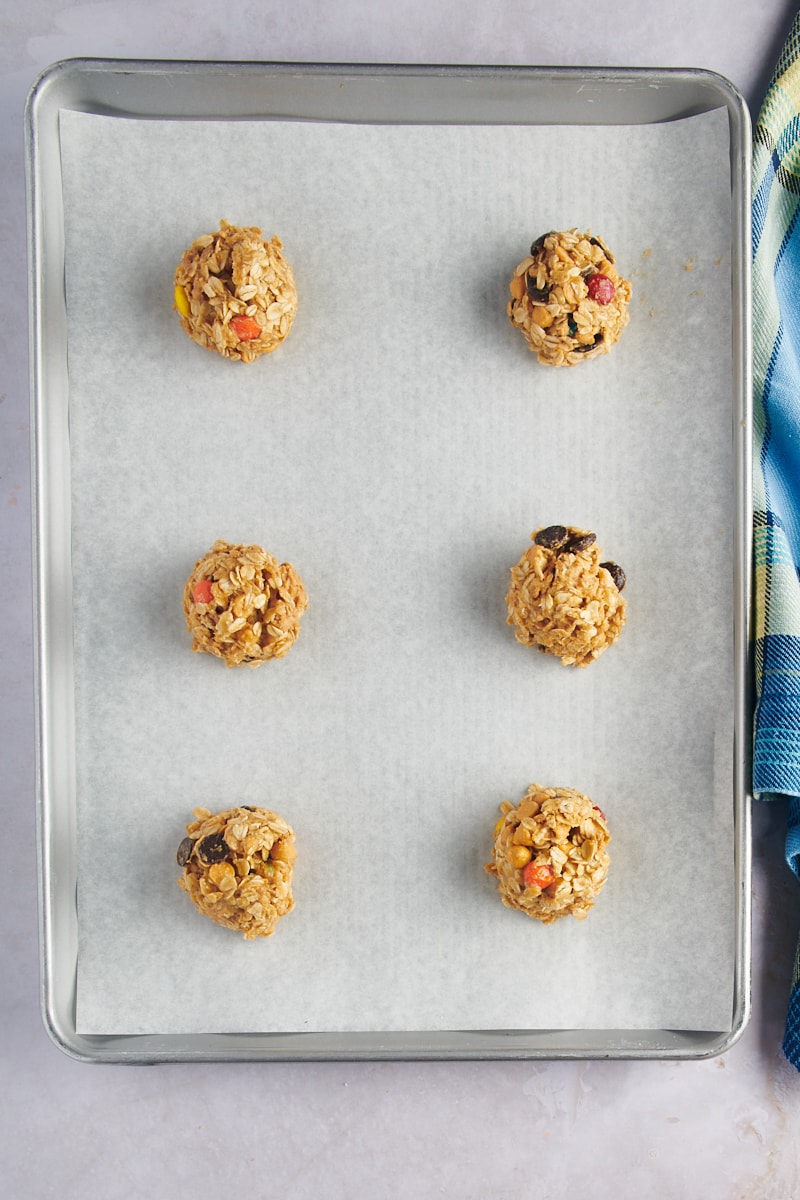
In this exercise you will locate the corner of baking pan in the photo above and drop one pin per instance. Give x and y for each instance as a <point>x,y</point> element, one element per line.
<point>63,1038</point>
<point>51,79</point>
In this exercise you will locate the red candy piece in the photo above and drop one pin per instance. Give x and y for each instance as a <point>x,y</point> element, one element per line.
<point>201,592</point>
<point>597,808</point>
<point>540,876</point>
<point>245,328</point>
<point>600,289</point>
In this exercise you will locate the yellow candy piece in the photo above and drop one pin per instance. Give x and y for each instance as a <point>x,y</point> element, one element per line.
<point>542,317</point>
<point>219,872</point>
<point>182,301</point>
<point>520,856</point>
<point>498,826</point>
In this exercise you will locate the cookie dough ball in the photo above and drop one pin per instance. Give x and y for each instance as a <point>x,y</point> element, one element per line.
<point>235,292</point>
<point>237,868</point>
<point>563,599</point>
<point>242,605</point>
<point>568,299</point>
<point>550,853</point>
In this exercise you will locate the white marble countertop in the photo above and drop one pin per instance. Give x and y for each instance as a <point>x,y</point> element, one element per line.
<point>717,1128</point>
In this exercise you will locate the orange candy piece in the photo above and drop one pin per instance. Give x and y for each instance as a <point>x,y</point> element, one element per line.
<point>246,328</point>
<point>538,875</point>
<point>201,592</point>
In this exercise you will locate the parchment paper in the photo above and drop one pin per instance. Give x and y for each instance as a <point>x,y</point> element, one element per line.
<point>399,449</point>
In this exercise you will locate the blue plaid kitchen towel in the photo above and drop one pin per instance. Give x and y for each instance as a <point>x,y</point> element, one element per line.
<point>776,452</point>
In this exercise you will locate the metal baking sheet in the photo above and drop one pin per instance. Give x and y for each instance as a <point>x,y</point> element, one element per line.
<point>332,102</point>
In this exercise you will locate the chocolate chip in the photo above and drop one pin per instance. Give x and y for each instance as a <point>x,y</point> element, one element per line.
<point>537,245</point>
<point>538,295</point>
<point>552,537</point>
<point>581,542</point>
<point>617,574</point>
<point>213,849</point>
<point>185,851</point>
<point>582,349</point>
